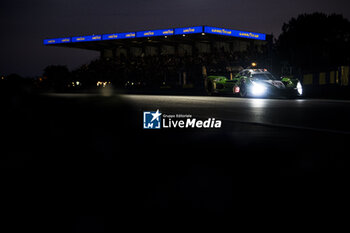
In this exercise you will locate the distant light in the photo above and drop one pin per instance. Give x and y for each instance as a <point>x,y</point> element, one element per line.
<point>183,35</point>
<point>103,83</point>
<point>254,64</point>
<point>165,36</point>
<point>203,34</point>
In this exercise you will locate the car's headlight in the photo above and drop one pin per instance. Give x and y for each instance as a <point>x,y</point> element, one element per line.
<point>299,88</point>
<point>258,89</point>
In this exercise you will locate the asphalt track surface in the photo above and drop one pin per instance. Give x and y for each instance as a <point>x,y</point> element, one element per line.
<point>84,161</point>
<point>308,114</point>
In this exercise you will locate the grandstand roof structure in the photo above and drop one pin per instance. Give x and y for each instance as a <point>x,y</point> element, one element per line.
<point>99,42</point>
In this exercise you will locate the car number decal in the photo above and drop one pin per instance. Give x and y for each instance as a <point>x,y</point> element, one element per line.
<point>278,84</point>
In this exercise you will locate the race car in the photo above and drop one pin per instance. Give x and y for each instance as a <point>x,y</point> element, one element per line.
<point>254,83</point>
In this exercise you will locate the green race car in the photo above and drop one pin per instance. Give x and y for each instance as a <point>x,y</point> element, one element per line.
<point>254,83</point>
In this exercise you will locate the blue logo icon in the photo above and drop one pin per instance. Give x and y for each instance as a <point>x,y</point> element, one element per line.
<point>151,120</point>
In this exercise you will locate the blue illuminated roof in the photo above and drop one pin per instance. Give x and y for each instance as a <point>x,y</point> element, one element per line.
<point>235,33</point>
<point>189,30</point>
<point>162,32</point>
<point>57,41</point>
<point>86,38</point>
<point>115,36</point>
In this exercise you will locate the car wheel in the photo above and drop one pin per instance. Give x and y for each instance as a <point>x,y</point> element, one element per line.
<point>209,88</point>
<point>243,91</point>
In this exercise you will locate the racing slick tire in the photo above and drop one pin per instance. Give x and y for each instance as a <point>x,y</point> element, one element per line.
<point>243,91</point>
<point>210,88</point>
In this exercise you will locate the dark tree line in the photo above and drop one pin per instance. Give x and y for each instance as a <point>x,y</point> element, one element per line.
<point>315,42</point>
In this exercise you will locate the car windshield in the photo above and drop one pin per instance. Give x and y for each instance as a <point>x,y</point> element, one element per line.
<point>263,76</point>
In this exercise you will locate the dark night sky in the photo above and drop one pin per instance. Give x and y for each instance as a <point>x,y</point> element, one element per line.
<point>25,23</point>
